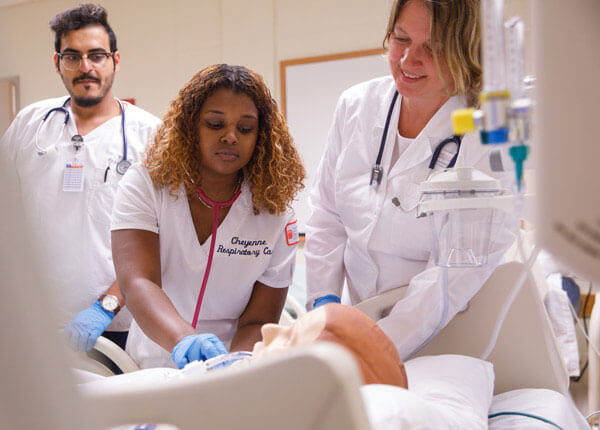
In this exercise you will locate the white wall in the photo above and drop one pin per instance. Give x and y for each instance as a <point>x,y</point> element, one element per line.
<point>163,43</point>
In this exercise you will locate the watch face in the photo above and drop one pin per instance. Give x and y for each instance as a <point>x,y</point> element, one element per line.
<point>110,303</point>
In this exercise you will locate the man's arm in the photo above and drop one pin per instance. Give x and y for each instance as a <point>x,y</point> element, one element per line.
<point>115,291</point>
<point>87,325</point>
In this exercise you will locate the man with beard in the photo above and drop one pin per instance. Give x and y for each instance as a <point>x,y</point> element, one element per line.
<point>70,153</point>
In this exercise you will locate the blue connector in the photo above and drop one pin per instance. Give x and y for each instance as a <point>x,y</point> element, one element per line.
<point>494,137</point>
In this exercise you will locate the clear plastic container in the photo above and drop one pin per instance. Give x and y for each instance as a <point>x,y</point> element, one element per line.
<point>461,232</point>
<point>461,236</point>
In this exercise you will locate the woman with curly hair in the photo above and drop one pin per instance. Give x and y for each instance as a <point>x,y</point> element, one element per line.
<point>203,235</point>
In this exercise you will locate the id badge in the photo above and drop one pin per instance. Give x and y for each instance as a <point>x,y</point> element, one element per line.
<point>73,178</point>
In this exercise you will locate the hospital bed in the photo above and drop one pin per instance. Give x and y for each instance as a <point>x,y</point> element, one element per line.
<point>526,354</point>
<point>321,393</point>
<point>526,337</point>
<point>321,381</point>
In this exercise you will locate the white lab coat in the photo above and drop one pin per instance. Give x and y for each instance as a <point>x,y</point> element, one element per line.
<point>248,248</point>
<point>70,230</point>
<point>356,233</point>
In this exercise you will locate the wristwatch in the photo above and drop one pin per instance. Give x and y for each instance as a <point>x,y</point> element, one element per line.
<point>110,303</point>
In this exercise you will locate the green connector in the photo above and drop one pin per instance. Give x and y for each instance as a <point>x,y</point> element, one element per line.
<point>519,154</point>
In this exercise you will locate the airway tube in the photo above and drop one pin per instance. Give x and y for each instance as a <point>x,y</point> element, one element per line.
<point>509,301</point>
<point>216,210</point>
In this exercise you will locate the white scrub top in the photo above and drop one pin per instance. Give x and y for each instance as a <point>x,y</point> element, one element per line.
<point>70,230</point>
<point>248,248</point>
<point>356,233</point>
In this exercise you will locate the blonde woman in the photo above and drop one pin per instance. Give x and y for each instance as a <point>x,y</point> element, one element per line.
<point>363,228</point>
<point>203,236</point>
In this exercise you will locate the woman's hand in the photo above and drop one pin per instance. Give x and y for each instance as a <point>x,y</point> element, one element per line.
<point>197,347</point>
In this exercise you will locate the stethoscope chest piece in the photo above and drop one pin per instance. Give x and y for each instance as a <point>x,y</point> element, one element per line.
<point>77,141</point>
<point>122,166</point>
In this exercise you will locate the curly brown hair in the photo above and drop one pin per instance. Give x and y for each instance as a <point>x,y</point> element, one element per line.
<point>275,171</point>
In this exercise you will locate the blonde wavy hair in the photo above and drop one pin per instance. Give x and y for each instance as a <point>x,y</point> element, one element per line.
<point>275,172</point>
<point>456,32</point>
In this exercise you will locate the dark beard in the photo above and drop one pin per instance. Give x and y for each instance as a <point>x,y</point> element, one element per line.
<point>87,101</point>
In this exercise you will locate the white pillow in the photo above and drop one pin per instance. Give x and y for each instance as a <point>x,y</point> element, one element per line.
<point>390,408</point>
<point>543,403</point>
<point>559,311</point>
<point>444,391</point>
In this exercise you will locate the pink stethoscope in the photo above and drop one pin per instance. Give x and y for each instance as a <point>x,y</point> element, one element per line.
<point>216,210</point>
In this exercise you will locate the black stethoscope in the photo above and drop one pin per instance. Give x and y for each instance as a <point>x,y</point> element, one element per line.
<point>377,170</point>
<point>77,140</point>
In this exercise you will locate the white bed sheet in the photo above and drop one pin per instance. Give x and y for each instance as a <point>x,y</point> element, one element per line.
<point>445,392</point>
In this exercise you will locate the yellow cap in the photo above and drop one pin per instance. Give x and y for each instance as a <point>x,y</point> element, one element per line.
<point>462,121</point>
<point>502,94</point>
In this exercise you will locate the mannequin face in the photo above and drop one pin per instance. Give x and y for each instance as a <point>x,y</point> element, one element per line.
<point>304,331</point>
<point>374,352</point>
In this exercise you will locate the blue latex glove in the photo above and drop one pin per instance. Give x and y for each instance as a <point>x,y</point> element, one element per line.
<point>329,298</point>
<point>197,347</point>
<point>85,327</point>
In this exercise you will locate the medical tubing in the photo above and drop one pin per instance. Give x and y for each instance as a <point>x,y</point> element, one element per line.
<point>523,414</point>
<point>123,129</point>
<point>520,247</point>
<point>62,109</point>
<point>216,210</point>
<point>438,150</point>
<point>385,130</point>
<point>508,303</point>
<point>441,324</point>
<point>592,415</point>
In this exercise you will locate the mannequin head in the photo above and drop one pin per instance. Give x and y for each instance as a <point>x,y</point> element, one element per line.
<point>374,352</point>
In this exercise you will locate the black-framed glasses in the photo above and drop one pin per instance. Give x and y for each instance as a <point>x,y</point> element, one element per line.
<point>72,60</point>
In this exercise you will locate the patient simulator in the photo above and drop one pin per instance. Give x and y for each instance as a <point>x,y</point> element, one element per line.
<point>443,391</point>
